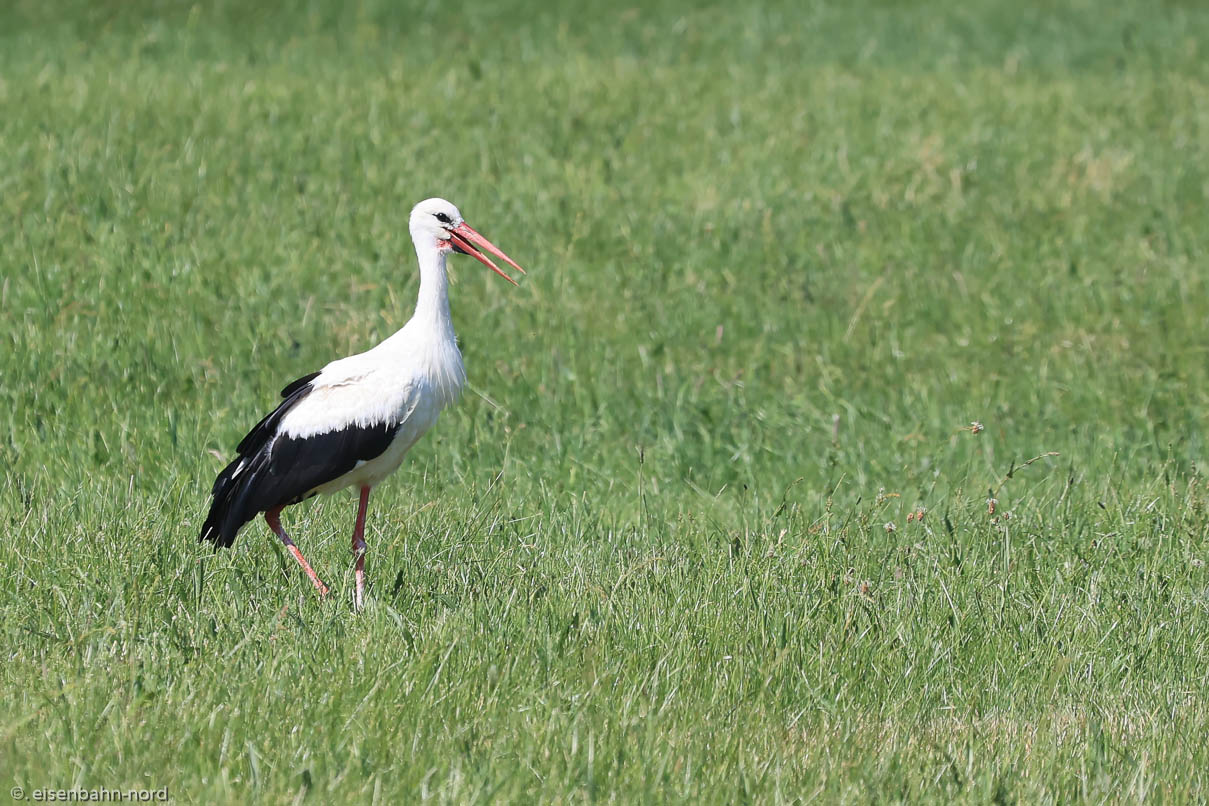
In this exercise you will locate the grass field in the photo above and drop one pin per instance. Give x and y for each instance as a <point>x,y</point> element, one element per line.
<point>780,256</point>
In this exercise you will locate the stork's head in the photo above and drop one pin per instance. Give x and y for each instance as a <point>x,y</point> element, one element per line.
<point>436,223</point>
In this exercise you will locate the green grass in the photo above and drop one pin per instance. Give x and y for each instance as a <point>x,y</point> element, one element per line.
<point>780,258</point>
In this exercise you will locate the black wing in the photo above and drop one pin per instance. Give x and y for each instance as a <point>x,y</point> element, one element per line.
<point>265,430</point>
<point>274,469</point>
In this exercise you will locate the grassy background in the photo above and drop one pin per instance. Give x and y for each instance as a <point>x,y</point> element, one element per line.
<point>780,258</point>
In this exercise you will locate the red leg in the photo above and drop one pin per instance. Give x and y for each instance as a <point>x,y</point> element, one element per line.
<point>359,548</point>
<point>273,517</point>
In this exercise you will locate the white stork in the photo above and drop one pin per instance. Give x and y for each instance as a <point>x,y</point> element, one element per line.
<point>350,423</point>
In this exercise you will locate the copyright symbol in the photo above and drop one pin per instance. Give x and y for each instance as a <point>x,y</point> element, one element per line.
<point>17,793</point>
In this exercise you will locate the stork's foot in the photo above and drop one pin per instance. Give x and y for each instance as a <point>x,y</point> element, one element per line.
<point>310,572</point>
<point>359,593</point>
<point>273,517</point>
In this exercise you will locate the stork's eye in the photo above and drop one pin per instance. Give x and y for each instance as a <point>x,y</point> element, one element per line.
<point>444,219</point>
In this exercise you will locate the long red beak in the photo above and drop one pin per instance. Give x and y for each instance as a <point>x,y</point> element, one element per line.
<point>462,237</point>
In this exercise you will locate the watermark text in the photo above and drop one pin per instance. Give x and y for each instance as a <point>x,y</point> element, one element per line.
<point>101,794</point>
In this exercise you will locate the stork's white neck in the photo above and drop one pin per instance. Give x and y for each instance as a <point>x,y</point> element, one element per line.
<point>432,305</point>
<point>426,346</point>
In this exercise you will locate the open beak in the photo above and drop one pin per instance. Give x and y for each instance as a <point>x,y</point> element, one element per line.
<point>464,239</point>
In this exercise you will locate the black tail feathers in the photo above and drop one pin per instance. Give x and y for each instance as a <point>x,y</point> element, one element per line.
<point>238,496</point>
<point>228,509</point>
